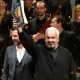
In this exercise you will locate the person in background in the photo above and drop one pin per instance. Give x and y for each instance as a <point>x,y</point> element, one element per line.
<point>35,24</point>
<point>52,62</point>
<point>18,64</point>
<point>75,26</point>
<point>5,26</point>
<point>65,11</point>
<point>66,37</point>
<point>5,19</point>
<point>29,9</point>
<point>28,12</point>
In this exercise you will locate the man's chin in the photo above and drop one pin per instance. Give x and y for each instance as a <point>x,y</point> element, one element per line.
<point>51,47</point>
<point>15,43</point>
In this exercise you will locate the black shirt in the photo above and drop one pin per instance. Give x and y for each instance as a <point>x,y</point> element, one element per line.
<point>45,69</point>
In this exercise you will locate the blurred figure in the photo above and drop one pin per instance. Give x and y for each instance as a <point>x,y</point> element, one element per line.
<point>35,24</point>
<point>75,26</point>
<point>5,26</point>
<point>65,11</point>
<point>67,38</point>
<point>5,19</point>
<point>29,9</point>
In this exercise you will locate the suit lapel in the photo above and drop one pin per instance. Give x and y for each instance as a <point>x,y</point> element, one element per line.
<point>34,25</point>
<point>25,58</point>
<point>13,52</point>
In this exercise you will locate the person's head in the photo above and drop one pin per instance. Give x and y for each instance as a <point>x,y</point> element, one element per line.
<point>40,8</point>
<point>3,4</point>
<point>15,36</point>
<point>76,13</point>
<point>58,21</point>
<point>28,3</point>
<point>52,37</point>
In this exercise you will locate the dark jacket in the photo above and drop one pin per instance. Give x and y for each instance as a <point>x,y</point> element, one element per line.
<point>26,70</point>
<point>35,25</point>
<point>65,11</point>
<point>45,67</point>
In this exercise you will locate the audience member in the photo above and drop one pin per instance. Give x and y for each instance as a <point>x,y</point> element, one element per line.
<point>5,26</point>
<point>29,9</point>
<point>18,63</point>
<point>52,62</point>
<point>35,24</point>
<point>66,37</point>
<point>75,26</point>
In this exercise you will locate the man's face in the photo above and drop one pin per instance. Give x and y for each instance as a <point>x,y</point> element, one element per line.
<point>28,3</point>
<point>2,4</point>
<point>40,9</point>
<point>15,37</point>
<point>54,23</point>
<point>51,39</point>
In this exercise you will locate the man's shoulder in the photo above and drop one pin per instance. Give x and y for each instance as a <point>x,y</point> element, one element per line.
<point>11,47</point>
<point>68,33</point>
<point>64,50</point>
<point>32,20</point>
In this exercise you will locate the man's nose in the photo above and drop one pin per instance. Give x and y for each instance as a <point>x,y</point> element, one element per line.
<point>50,40</point>
<point>13,37</point>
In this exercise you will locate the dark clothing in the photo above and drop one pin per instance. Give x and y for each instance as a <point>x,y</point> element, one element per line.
<point>75,26</point>
<point>45,66</point>
<point>35,25</point>
<point>77,2</point>
<point>9,2</point>
<point>6,24</point>
<point>17,70</point>
<point>3,46</point>
<point>30,14</point>
<point>24,71</point>
<point>67,40</point>
<point>65,11</point>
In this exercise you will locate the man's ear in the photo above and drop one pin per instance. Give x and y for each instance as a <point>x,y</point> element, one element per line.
<point>60,23</point>
<point>58,39</point>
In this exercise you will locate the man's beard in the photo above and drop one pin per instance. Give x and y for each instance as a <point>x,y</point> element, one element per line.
<point>41,14</point>
<point>50,47</point>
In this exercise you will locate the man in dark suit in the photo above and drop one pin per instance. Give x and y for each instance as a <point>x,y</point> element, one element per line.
<point>35,24</point>
<point>67,38</point>
<point>52,62</point>
<point>18,63</point>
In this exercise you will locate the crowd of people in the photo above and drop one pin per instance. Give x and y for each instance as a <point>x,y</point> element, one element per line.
<point>26,53</point>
